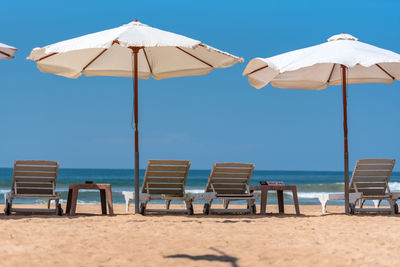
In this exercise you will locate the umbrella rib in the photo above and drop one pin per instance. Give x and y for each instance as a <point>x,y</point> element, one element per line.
<point>257,70</point>
<point>49,55</point>
<point>386,72</point>
<point>330,75</point>
<point>148,63</point>
<point>4,53</point>
<point>195,57</point>
<point>84,68</point>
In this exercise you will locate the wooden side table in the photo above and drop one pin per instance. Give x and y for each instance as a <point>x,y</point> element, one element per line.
<point>279,191</point>
<point>105,189</point>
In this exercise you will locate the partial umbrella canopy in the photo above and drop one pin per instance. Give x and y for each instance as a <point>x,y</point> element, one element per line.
<point>6,51</point>
<point>132,50</point>
<point>340,61</point>
<point>315,67</point>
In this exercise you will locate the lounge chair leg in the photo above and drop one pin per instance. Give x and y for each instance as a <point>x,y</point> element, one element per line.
<point>207,207</point>
<point>189,207</point>
<point>143,208</point>
<point>251,206</point>
<point>7,209</point>
<point>377,203</point>
<point>167,204</point>
<point>127,204</point>
<point>48,203</point>
<point>226,203</point>
<point>393,206</point>
<point>324,201</point>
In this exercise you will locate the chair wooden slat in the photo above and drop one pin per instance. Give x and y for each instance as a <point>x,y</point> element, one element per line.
<point>231,175</point>
<point>166,179</point>
<point>230,180</point>
<point>235,165</point>
<point>34,174</point>
<point>376,161</point>
<point>375,167</point>
<point>166,168</point>
<point>36,168</point>
<point>36,163</point>
<point>169,162</point>
<point>372,173</point>
<point>165,174</point>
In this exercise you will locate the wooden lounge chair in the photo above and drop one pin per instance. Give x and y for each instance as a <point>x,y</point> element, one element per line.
<point>34,179</point>
<point>165,180</point>
<point>229,182</point>
<point>370,181</point>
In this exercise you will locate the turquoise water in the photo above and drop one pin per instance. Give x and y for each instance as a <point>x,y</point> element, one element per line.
<point>308,183</point>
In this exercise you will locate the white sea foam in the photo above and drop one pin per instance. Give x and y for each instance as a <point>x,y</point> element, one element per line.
<point>194,191</point>
<point>395,186</point>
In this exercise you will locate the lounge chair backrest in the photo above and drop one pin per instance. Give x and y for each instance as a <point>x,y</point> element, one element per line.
<point>166,177</point>
<point>34,177</point>
<point>371,176</point>
<point>230,178</point>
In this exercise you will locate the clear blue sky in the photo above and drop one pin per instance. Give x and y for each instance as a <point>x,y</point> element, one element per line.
<point>218,117</point>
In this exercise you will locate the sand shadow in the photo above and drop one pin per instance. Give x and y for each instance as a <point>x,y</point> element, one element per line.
<point>364,214</point>
<point>222,257</point>
<point>32,215</point>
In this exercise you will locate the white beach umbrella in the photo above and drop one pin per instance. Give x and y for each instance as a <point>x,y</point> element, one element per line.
<point>340,61</point>
<point>6,51</point>
<point>132,50</point>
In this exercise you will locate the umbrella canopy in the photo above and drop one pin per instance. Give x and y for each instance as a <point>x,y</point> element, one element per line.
<point>340,61</point>
<point>6,51</point>
<point>132,50</point>
<point>109,53</point>
<point>317,66</point>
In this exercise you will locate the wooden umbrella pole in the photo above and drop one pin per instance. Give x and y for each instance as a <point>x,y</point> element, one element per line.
<point>346,146</point>
<point>135,51</point>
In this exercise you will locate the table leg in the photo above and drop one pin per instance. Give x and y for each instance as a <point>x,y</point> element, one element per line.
<point>280,201</point>
<point>69,201</point>
<point>109,201</point>
<point>264,195</point>
<point>103,201</point>
<point>296,201</point>
<point>74,201</point>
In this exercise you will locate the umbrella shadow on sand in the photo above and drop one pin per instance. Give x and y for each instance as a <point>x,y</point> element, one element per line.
<point>222,257</point>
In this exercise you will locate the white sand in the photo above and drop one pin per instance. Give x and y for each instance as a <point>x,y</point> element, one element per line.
<point>181,240</point>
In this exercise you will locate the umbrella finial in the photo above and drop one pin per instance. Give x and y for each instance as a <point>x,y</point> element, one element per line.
<point>342,36</point>
<point>135,20</point>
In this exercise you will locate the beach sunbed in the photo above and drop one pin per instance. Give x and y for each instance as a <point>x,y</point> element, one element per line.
<point>34,179</point>
<point>165,180</point>
<point>229,182</point>
<point>369,181</point>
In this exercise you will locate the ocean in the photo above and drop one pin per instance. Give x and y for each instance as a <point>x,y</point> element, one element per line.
<point>308,183</point>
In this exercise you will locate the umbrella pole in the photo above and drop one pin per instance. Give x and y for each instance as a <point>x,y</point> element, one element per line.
<point>135,51</point>
<point>346,145</point>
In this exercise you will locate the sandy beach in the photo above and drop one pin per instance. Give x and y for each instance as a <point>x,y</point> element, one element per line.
<point>217,240</point>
